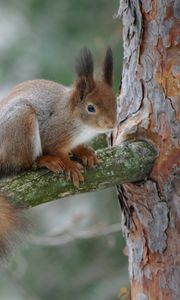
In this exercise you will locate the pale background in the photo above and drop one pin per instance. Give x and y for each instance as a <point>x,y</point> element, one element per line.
<point>75,250</point>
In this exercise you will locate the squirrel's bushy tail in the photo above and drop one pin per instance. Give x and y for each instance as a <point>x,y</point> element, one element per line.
<point>13,223</point>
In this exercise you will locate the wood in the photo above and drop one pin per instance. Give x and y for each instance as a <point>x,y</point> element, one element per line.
<point>149,108</point>
<point>128,162</point>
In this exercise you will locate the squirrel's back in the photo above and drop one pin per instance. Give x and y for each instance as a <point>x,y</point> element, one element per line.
<point>34,91</point>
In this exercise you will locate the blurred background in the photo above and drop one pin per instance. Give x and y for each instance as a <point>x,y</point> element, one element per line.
<point>75,249</point>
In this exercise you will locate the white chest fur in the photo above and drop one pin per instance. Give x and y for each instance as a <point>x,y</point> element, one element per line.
<point>37,151</point>
<point>84,136</point>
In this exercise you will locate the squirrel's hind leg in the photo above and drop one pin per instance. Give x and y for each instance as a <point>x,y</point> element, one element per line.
<point>20,142</point>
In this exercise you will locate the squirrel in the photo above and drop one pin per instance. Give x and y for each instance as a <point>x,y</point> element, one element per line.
<point>41,121</point>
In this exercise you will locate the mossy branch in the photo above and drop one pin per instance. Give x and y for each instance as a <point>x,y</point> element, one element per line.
<point>129,162</point>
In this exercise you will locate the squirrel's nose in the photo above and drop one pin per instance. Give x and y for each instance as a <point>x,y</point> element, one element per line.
<point>111,124</point>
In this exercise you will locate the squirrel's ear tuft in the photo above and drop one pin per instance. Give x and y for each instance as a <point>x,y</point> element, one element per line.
<point>84,69</point>
<point>84,63</point>
<point>108,67</point>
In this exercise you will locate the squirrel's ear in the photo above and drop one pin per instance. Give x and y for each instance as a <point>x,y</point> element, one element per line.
<point>84,70</point>
<point>108,67</point>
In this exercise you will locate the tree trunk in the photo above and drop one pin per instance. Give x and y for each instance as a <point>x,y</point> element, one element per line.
<point>148,108</point>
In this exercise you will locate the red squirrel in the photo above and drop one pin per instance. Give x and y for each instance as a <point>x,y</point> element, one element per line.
<point>41,121</point>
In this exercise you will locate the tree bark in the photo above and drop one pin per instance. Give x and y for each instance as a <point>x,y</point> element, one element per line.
<point>148,108</point>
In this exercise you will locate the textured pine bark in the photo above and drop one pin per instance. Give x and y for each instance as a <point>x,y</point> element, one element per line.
<point>149,108</point>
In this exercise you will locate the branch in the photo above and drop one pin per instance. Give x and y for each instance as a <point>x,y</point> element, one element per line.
<point>128,162</point>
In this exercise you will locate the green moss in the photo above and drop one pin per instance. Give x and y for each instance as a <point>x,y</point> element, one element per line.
<point>129,162</point>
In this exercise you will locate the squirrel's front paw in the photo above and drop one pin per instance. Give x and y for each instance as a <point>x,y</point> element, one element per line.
<point>73,171</point>
<point>53,163</point>
<point>87,155</point>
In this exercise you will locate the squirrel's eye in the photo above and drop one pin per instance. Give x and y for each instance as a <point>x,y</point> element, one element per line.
<point>91,108</point>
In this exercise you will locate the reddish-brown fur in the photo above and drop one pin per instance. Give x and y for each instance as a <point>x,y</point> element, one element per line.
<point>42,121</point>
<point>12,224</point>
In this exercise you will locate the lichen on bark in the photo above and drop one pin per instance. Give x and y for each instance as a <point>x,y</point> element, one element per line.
<point>129,162</point>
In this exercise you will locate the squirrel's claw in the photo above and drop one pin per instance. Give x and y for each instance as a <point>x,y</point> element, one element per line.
<point>73,171</point>
<point>87,155</point>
